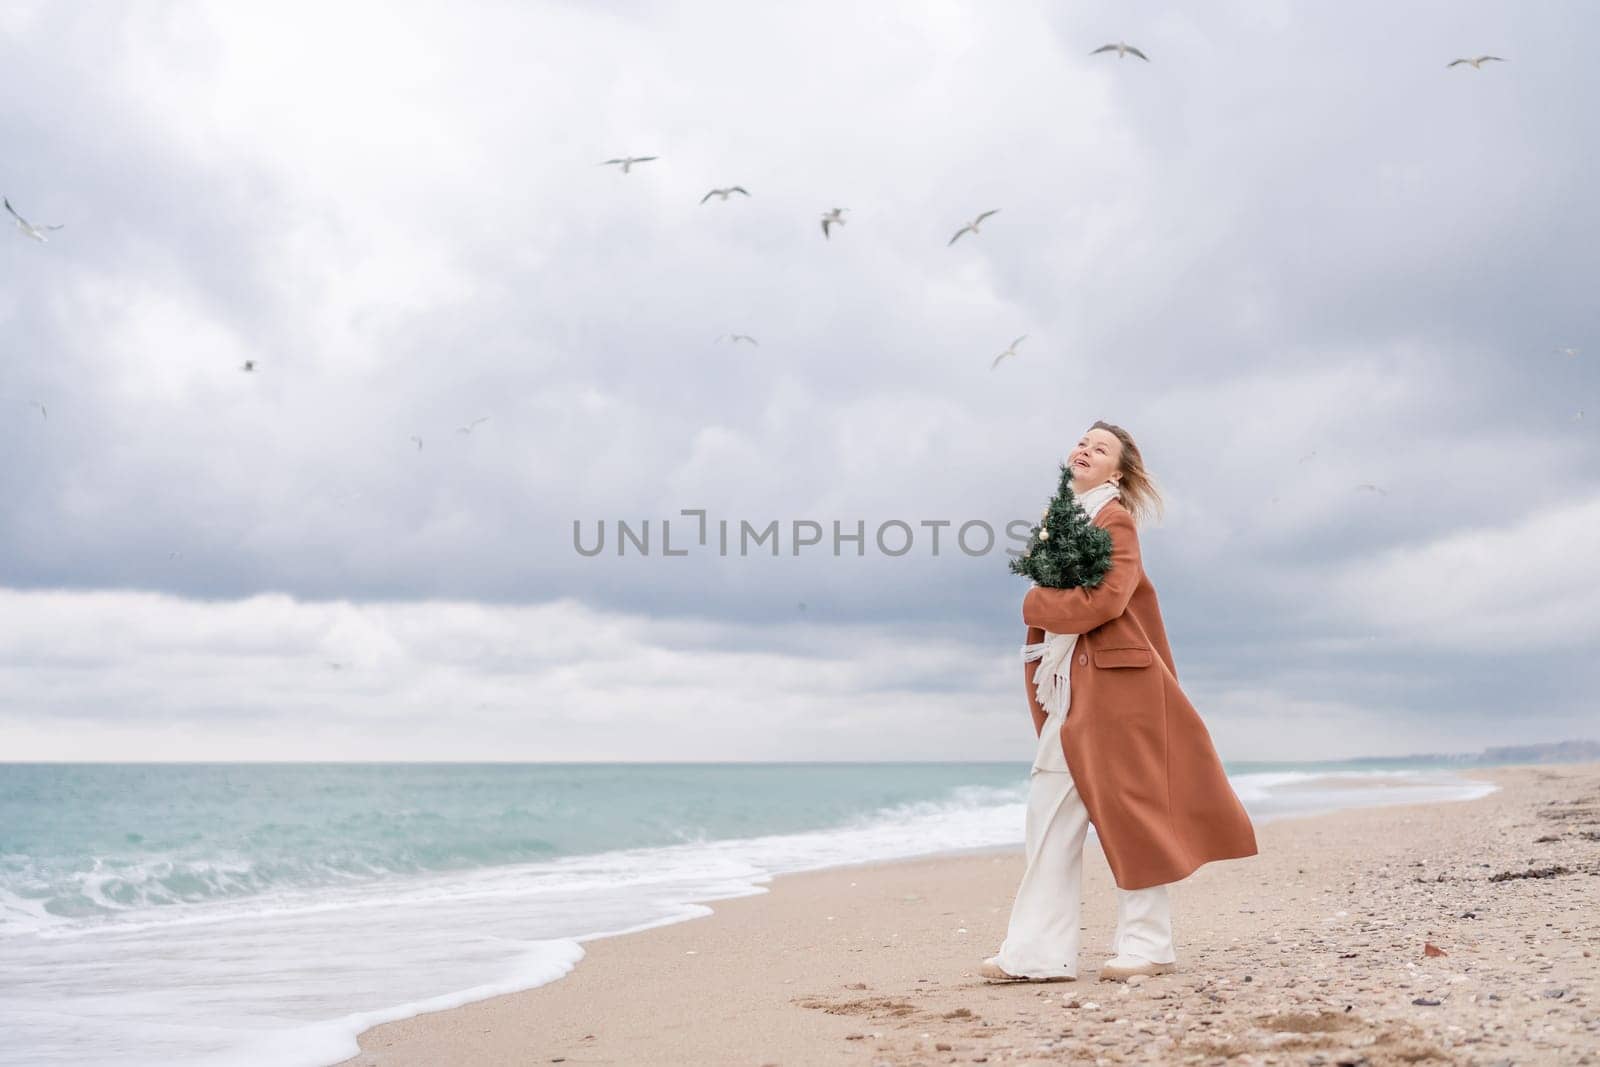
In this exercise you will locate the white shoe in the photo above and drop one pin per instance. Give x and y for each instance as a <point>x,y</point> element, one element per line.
<point>991,969</point>
<point>1121,968</point>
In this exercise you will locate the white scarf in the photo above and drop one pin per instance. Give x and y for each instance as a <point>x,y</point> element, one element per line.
<point>1054,653</point>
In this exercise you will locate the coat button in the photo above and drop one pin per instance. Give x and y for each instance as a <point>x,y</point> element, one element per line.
<point>1082,658</point>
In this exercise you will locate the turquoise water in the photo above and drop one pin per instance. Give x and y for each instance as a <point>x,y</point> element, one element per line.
<point>265,913</point>
<point>82,840</point>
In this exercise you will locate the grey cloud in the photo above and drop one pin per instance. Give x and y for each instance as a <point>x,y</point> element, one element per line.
<point>1190,245</point>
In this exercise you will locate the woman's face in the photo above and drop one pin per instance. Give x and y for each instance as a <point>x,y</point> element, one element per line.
<point>1097,459</point>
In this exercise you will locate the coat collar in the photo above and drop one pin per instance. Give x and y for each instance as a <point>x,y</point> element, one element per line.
<point>1103,516</point>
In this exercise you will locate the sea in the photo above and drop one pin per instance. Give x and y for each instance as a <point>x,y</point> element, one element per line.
<point>266,913</point>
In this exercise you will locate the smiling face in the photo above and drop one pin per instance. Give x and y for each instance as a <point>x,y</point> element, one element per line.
<point>1096,459</point>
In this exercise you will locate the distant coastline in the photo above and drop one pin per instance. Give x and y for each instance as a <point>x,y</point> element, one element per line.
<point>1575,751</point>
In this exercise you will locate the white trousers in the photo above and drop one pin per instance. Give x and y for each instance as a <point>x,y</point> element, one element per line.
<point>1042,936</point>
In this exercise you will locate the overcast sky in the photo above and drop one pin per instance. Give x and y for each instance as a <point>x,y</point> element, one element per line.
<point>1325,280</point>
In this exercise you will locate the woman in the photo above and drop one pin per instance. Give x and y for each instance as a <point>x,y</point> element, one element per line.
<point>1120,746</point>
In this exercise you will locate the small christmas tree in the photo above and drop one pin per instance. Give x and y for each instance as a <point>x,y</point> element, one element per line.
<point>1066,549</point>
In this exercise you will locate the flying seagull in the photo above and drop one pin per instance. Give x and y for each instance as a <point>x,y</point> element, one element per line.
<point>1121,49</point>
<point>737,337</point>
<point>1477,64</point>
<point>41,408</point>
<point>1307,456</point>
<point>836,216</point>
<point>471,425</point>
<point>724,193</point>
<point>971,227</point>
<point>1011,351</point>
<point>28,228</point>
<point>628,161</point>
<point>418,440</point>
<point>1568,351</point>
<point>248,365</point>
<point>1372,488</point>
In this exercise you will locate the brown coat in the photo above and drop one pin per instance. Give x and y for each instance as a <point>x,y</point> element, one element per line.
<point>1140,757</point>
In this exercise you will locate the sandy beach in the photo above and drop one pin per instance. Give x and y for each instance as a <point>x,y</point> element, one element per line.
<point>1453,933</point>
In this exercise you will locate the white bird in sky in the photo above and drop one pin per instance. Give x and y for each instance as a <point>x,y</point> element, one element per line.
<point>1307,456</point>
<point>28,228</point>
<point>418,440</point>
<point>1011,351</point>
<point>41,408</point>
<point>971,227</point>
<point>737,337</point>
<point>1372,488</point>
<point>1121,49</point>
<point>1477,64</point>
<point>724,193</point>
<point>628,161</point>
<point>471,425</point>
<point>248,365</point>
<point>836,216</point>
<point>1567,351</point>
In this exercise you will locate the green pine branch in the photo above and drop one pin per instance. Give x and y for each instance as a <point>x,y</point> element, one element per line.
<point>1066,549</point>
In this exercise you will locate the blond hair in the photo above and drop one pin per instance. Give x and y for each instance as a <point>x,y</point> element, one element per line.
<point>1138,490</point>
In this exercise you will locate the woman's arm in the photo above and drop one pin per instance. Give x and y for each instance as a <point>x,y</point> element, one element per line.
<point>1077,611</point>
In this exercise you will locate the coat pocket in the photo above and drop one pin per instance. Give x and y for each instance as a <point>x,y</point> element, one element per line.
<point>1123,657</point>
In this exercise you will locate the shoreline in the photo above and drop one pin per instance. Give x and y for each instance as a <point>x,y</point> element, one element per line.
<point>797,979</point>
